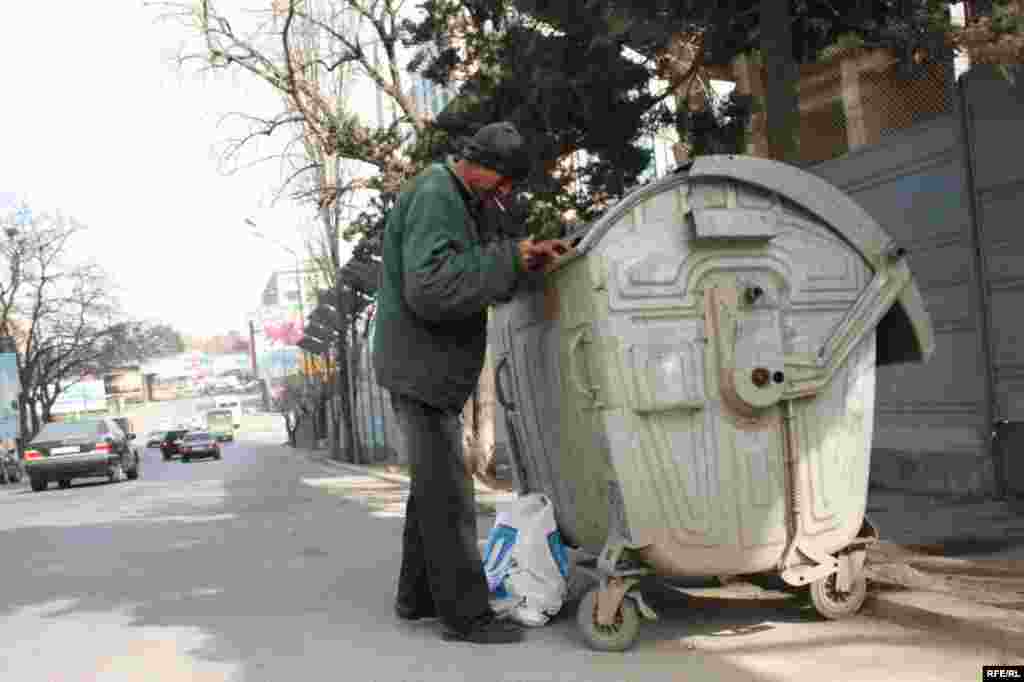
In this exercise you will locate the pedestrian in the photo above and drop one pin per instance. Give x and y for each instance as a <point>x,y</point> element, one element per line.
<point>439,277</point>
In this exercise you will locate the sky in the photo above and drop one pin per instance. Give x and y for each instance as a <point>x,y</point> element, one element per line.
<point>100,123</point>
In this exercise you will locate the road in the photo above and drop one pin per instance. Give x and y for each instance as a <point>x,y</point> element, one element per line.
<point>265,567</point>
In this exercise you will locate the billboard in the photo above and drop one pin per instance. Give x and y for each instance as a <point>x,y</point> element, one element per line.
<point>124,383</point>
<point>231,362</point>
<point>193,364</point>
<point>87,395</point>
<point>277,326</point>
<point>10,387</point>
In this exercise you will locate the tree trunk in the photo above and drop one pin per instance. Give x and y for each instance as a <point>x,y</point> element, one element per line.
<point>34,417</point>
<point>335,410</point>
<point>343,387</point>
<point>782,104</point>
<point>358,424</point>
<point>23,424</point>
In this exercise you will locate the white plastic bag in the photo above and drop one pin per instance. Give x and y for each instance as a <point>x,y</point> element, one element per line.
<point>526,563</point>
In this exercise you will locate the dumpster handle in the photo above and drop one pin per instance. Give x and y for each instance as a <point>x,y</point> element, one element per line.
<point>574,372</point>
<point>497,385</point>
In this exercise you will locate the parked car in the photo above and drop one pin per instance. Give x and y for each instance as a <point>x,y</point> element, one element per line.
<point>154,438</point>
<point>62,451</point>
<point>199,444</point>
<point>129,429</point>
<point>170,446</point>
<point>10,467</point>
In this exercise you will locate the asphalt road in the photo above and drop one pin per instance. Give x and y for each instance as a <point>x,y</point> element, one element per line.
<point>266,566</point>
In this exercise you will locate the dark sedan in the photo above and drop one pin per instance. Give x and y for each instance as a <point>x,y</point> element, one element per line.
<point>171,444</point>
<point>199,444</point>
<point>62,451</point>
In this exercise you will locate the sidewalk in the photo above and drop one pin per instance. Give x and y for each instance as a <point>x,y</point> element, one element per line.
<point>951,564</point>
<point>944,564</point>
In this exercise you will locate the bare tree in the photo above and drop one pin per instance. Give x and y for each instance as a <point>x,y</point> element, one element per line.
<point>310,52</point>
<point>306,50</point>
<point>60,313</point>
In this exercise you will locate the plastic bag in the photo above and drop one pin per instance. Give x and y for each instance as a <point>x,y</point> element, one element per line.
<point>526,562</point>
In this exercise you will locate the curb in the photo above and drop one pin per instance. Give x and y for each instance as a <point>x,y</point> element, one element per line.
<point>990,568</point>
<point>357,469</point>
<point>979,624</point>
<point>394,478</point>
<point>484,494</point>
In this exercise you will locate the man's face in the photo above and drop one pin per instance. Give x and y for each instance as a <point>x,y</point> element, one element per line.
<point>490,183</point>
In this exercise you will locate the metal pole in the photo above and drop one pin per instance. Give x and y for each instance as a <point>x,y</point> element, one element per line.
<point>982,295</point>
<point>302,310</point>
<point>252,349</point>
<point>365,389</point>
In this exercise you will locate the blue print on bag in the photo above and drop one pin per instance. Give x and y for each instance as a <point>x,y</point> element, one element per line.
<point>559,552</point>
<point>498,556</point>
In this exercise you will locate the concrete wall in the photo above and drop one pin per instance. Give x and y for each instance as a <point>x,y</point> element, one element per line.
<point>934,422</point>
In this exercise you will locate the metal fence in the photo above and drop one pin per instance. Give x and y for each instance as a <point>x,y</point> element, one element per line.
<point>858,97</point>
<point>371,411</point>
<point>376,434</point>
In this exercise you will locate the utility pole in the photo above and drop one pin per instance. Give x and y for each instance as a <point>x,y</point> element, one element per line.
<point>252,349</point>
<point>255,368</point>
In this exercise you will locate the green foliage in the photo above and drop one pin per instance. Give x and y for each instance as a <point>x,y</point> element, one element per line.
<point>134,342</point>
<point>719,129</point>
<point>1006,19</point>
<point>557,68</point>
<point>568,90</point>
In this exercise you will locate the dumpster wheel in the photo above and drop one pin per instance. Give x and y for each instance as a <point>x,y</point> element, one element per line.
<point>832,604</point>
<point>619,636</point>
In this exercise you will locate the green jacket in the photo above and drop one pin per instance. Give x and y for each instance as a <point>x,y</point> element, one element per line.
<point>439,277</point>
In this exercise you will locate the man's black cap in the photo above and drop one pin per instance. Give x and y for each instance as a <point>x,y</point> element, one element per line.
<point>500,147</point>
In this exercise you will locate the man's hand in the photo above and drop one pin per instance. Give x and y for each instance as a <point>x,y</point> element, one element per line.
<point>536,256</point>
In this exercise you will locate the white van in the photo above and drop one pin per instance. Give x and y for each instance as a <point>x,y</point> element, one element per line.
<point>234,404</point>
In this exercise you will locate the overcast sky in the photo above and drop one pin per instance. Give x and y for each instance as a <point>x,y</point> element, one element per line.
<point>99,123</point>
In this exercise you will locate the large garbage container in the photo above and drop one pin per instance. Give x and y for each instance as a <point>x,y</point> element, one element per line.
<point>694,386</point>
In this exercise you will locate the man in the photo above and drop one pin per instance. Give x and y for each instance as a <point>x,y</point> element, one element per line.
<point>439,277</point>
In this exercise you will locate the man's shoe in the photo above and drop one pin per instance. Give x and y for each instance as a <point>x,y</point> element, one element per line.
<point>406,612</point>
<point>487,631</point>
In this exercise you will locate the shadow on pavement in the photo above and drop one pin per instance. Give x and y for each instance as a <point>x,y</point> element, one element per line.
<point>277,580</point>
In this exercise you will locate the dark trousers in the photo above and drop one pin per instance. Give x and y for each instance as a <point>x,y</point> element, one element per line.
<point>441,563</point>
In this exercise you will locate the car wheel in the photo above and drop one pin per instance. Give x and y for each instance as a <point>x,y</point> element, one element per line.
<point>64,483</point>
<point>117,473</point>
<point>133,473</point>
<point>39,484</point>
<point>216,455</point>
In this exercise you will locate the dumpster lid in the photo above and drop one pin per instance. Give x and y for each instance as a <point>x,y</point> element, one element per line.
<point>905,333</point>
